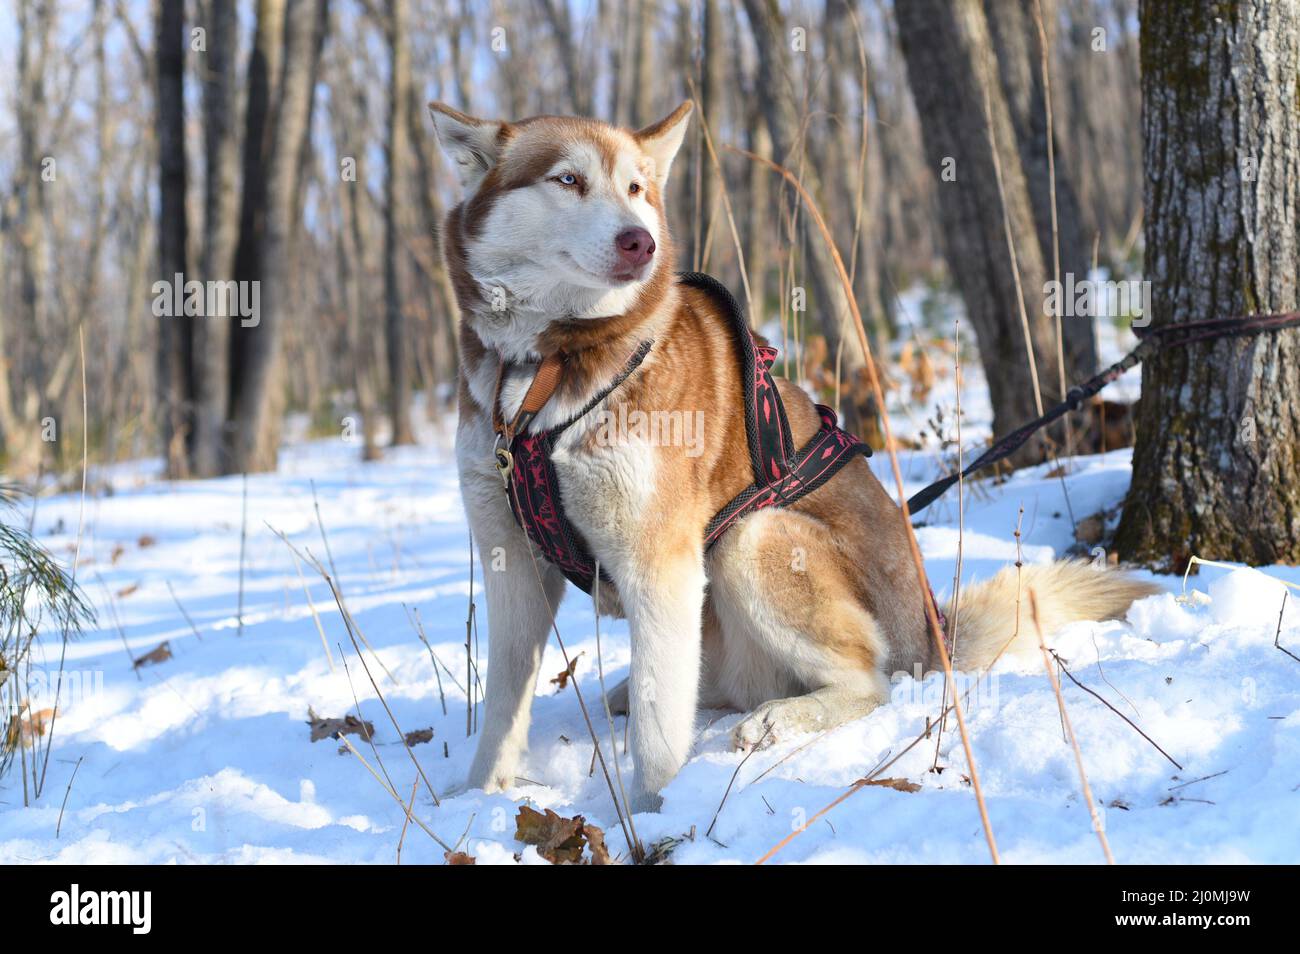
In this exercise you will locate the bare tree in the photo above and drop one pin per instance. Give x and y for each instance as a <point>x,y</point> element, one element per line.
<point>399,352</point>
<point>1013,26</point>
<point>253,430</point>
<point>220,232</point>
<point>175,331</point>
<point>1216,469</point>
<point>782,110</point>
<point>982,195</point>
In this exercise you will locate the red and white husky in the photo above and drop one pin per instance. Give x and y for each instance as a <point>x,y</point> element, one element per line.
<point>798,615</point>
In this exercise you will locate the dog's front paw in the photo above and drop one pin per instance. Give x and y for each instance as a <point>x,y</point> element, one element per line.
<point>776,721</point>
<point>639,802</point>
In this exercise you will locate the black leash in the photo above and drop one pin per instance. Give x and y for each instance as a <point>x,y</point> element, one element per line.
<point>1153,340</point>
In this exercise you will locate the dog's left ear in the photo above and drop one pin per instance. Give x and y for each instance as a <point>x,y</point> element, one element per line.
<point>661,140</point>
<point>474,145</point>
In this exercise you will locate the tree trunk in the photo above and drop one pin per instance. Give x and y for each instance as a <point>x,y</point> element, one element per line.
<point>782,109</point>
<point>758,236</point>
<point>1014,30</point>
<point>954,81</point>
<point>175,332</point>
<point>399,350</point>
<point>1216,469</point>
<point>557,15</point>
<point>221,231</point>
<point>253,432</point>
<point>643,65</point>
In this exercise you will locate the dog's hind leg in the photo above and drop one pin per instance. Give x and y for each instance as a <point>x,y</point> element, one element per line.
<point>800,650</point>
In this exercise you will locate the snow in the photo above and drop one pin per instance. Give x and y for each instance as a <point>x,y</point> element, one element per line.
<point>206,757</point>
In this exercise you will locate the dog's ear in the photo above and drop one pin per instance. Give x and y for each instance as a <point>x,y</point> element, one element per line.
<point>474,145</point>
<point>661,140</point>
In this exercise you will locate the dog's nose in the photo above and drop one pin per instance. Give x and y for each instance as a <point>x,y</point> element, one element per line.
<point>635,246</point>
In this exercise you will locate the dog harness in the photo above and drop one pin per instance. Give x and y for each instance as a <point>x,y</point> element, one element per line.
<point>782,475</point>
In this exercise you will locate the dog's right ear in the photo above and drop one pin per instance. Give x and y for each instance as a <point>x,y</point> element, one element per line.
<point>474,145</point>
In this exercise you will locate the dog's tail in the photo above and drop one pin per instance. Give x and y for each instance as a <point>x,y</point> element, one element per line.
<point>1064,592</point>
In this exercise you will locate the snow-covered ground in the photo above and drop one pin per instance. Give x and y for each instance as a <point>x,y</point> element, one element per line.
<point>206,757</point>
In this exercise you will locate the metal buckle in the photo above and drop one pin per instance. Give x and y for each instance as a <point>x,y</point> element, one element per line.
<point>505,462</point>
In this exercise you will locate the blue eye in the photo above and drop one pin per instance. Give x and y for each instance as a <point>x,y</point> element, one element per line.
<point>567,179</point>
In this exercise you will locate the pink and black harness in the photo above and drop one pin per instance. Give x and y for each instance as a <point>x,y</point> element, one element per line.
<point>782,475</point>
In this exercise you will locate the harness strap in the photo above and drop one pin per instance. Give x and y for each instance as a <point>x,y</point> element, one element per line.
<point>549,374</point>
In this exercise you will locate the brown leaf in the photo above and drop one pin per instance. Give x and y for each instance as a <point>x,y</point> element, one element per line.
<point>416,736</point>
<point>116,555</point>
<point>897,784</point>
<point>458,858</point>
<point>25,727</point>
<point>159,654</point>
<point>1090,530</point>
<point>333,728</point>
<point>146,541</point>
<point>558,840</point>
<point>127,590</point>
<point>596,845</point>
<point>562,679</point>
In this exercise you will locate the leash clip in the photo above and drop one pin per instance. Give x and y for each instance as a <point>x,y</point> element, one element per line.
<point>505,462</point>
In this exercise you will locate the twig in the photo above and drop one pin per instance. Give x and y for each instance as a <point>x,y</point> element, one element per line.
<point>961,535</point>
<point>76,557</point>
<point>758,745</point>
<point>397,798</point>
<point>1278,635</point>
<point>726,200</point>
<point>1074,742</point>
<point>347,625</point>
<point>348,621</point>
<point>1099,698</point>
<point>243,542</point>
<point>604,698</point>
<point>419,631</point>
<point>1051,189</point>
<point>311,605</point>
<point>324,539</point>
<point>1011,251</point>
<point>415,787</point>
<point>177,601</point>
<point>68,791</point>
<point>1203,778</point>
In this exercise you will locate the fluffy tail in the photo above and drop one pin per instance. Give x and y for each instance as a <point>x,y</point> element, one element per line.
<point>1064,592</point>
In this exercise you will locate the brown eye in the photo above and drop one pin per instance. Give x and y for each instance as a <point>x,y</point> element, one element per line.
<point>634,188</point>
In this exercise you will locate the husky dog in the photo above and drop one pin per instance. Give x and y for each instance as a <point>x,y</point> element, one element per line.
<point>797,615</point>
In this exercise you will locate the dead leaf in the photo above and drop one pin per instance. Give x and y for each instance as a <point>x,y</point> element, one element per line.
<point>1090,529</point>
<point>897,784</point>
<point>458,858</point>
<point>27,726</point>
<point>126,591</point>
<point>562,679</point>
<point>416,736</point>
<point>159,654</point>
<point>332,728</point>
<point>596,844</point>
<point>146,541</point>
<point>558,840</point>
<point>116,555</point>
